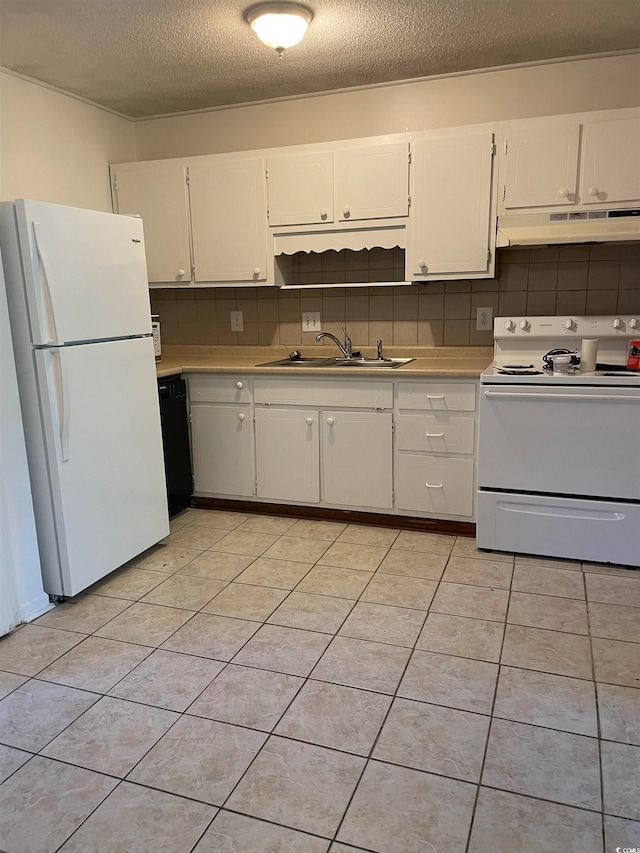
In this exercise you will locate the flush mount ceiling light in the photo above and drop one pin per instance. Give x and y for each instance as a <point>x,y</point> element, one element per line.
<point>279,25</point>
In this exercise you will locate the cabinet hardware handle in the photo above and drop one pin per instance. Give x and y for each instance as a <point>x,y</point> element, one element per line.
<point>433,485</point>
<point>323,213</point>
<point>422,264</point>
<point>563,192</point>
<point>435,396</point>
<point>240,416</point>
<point>308,421</point>
<point>346,211</point>
<point>239,385</point>
<point>594,191</point>
<point>180,273</point>
<point>434,434</point>
<point>330,421</point>
<point>256,271</point>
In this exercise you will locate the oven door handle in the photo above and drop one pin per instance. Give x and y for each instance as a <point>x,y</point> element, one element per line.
<point>550,395</point>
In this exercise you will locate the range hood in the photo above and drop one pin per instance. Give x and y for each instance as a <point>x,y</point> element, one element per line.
<point>545,229</point>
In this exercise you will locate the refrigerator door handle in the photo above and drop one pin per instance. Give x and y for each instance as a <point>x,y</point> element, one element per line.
<point>46,301</point>
<point>63,402</point>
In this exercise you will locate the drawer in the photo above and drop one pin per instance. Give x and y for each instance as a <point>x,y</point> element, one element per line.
<point>354,394</point>
<point>441,396</point>
<point>434,484</point>
<point>204,388</point>
<point>437,433</point>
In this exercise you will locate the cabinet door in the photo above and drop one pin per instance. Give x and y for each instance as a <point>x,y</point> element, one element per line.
<point>228,214</point>
<point>541,163</point>
<point>300,188</point>
<point>451,227</point>
<point>357,459</point>
<point>157,191</point>
<point>372,182</point>
<point>611,161</point>
<point>222,447</point>
<point>287,454</point>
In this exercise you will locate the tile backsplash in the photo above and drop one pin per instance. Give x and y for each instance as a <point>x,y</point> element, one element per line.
<point>578,280</point>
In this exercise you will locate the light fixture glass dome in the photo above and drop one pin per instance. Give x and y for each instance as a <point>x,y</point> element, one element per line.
<point>279,25</point>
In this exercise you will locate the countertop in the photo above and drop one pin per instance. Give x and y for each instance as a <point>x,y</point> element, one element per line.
<point>450,362</point>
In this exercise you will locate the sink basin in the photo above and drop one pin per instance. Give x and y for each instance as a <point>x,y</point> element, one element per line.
<point>338,362</point>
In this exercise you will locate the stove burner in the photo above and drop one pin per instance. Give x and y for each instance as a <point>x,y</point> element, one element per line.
<point>519,372</point>
<point>517,367</point>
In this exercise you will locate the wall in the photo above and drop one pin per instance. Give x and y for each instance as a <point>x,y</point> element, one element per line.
<point>565,87</point>
<point>565,280</point>
<point>56,148</point>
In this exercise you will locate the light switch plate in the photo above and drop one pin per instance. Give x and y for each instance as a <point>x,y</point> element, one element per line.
<point>484,319</point>
<point>311,321</point>
<point>237,324</point>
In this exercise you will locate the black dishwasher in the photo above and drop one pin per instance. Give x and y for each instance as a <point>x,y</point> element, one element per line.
<point>172,392</point>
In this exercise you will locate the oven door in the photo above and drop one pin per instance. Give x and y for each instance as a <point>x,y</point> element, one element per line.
<point>560,440</point>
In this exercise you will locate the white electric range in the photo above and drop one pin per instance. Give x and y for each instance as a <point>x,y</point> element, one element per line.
<point>559,454</point>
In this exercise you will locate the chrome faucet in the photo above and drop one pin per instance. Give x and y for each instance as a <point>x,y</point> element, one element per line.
<point>345,348</point>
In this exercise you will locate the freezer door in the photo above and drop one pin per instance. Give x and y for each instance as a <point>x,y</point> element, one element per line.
<point>104,453</point>
<point>85,273</point>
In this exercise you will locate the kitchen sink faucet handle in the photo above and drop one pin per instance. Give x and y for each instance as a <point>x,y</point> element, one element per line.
<point>347,342</point>
<point>379,345</point>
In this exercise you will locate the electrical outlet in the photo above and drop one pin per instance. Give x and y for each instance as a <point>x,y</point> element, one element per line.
<point>237,324</point>
<point>484,319</point>
<point>310,321</point>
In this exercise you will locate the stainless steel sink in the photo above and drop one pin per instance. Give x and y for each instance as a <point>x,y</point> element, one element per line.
<point>338,362</point>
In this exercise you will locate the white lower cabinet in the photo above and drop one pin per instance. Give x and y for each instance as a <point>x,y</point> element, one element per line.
<point>222,449</point>
<point>434,471</point>
<point>287,447</point>
<point>357,459</point>
<point>330,442</point>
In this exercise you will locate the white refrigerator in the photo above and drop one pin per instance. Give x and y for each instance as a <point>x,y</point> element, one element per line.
<point>81,324</point>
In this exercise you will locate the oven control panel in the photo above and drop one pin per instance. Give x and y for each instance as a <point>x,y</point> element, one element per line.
<point>620,326</point>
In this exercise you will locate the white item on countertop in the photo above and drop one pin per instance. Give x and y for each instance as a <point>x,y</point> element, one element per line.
<point>588,354</point>
<point>79,311</point>
<point>561,363</point>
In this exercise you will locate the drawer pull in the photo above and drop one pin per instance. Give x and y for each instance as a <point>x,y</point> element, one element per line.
<point>308,421</point>
<point>434,485</point>
<point>435,396</point>
<point>240,385</point>
<point>240,416</point>
<point>434,434</point>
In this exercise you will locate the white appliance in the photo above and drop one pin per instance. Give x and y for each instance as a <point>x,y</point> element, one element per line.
<point>580,226</point>
<point>21,594</point>
<point>81,324</point>
<point>559,454</point>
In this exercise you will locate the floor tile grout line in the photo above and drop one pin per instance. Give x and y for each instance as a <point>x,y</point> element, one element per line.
<point>491,719</point>
<point>92,812</point>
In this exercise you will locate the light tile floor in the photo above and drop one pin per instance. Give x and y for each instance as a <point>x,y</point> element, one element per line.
<point>259,684</point>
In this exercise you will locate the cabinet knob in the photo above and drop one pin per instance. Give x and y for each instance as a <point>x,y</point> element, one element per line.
<point>330,421</point>
<point>346,211</point>
<point>240,416</point>
<point>563,192</point>
<point>239,385</point>
<point>180,273</point>
<point>256,271</point>
<point>323,213</point>
<point>593,191</point>
<point>308,421</point>
<point>422,264</point>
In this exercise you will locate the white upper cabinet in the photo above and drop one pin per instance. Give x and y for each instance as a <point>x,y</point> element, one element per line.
<point>611,162</point>
<point>541,163</point>
<point>157,191</point>
<point>372,182</point>
<point>300,188</point>
<point>451,231</point>
<point>228,215</point>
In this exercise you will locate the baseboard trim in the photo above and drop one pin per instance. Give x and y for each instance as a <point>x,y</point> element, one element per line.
<point>404,522</point>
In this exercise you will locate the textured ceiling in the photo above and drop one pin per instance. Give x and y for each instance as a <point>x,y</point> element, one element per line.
<point>150,57</point>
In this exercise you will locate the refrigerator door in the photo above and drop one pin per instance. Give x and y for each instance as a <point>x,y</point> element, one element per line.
<point>85,273</point>
<point>104,456</point>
